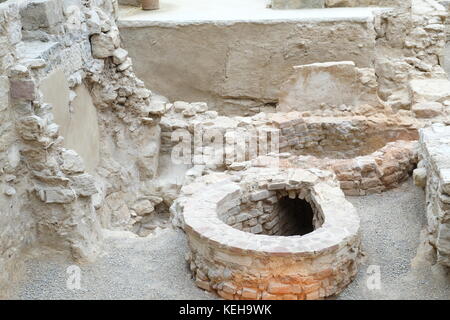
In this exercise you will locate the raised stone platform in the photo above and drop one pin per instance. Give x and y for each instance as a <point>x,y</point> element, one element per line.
<point>236,54</point>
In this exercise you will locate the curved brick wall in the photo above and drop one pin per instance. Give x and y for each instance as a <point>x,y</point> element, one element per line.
<point>369,153</point>
<point>243,265</point>
<point>379,171</point>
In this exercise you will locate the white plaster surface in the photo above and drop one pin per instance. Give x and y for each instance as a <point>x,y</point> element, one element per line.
<point>78,126</point>
<point>218,11</point>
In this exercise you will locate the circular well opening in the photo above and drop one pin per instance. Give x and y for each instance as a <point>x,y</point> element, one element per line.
<point>279,215</point>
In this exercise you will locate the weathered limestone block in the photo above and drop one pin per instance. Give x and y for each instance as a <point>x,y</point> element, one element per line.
<point>143,207</point>
<point>31,127</point>
<point>42,14</point>
<point>71,162</point>
<point>104,44</point>
<point>120,55</point>
<point>57,195</point>
<point>331,83</point>
<point>297,4</point>
<point>83,184</point>
<point>93,22</point>
<point>420,177</point>
<point>427,109</point>
<point>426,90</point>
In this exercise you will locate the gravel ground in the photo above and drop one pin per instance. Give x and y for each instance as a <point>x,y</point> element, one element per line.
<point>131,268</point>
<point>391,224</point>
<point>154,267</point>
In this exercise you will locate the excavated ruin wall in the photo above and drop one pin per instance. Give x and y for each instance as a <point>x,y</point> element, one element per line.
<point>410,46</point>
<point>369,150</point>
<point>78,141</point>
<point>16,224</point>
<point>238,67</point>
<point>434,143</point>
<point>403,43</point>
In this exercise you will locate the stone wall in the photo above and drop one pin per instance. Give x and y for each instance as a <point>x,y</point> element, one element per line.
<point>410,47</point>
<point>80,139</point>
<point>379,171</point>
<point>268,216</point>
<point>434,143</point>
<point>335,132</point>
<point>17,230</point>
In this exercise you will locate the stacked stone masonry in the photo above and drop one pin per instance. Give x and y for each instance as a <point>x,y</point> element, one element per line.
<point>370,151</point>
<point>434,144</point>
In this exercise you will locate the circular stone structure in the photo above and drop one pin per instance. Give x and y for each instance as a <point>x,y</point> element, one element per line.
<point>270,234</point>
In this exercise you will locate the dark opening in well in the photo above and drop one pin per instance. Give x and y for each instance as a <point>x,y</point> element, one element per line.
<point>296,216</point>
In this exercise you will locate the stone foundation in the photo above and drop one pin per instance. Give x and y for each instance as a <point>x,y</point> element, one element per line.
<point>369,150</point>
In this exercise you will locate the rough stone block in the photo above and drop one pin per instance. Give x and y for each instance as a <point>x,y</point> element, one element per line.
<point>42,14</point>
<point>427,109</point>
<point>429,90</point>
<point>333,83</point>
<point>420,177</point>
<point>120,55</point>
<point>105,44</point>
<point>22,89</point>
<point>57,195</point>
<point>84,185</point>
